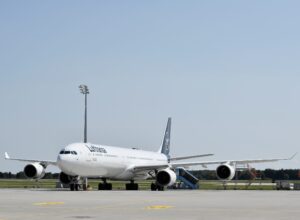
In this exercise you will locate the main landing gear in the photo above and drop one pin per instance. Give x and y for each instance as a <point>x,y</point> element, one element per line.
<point>132,186</point>
<point>104,185</point>
<point>157,187</point>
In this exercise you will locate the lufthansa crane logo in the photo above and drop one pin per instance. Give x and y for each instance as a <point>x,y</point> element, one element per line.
<point>96,149</point>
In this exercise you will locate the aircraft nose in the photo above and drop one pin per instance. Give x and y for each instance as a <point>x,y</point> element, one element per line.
<point>59,160</point>
<point>63,162</point>
<point>62,159</point>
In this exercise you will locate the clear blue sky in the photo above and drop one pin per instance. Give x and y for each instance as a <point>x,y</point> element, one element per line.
<point>227,72</point>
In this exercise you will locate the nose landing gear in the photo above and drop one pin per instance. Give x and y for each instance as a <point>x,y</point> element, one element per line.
<point>75,183</point>
<point>74,186</point>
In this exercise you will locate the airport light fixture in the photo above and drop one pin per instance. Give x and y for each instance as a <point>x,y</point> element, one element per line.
<point>84,90</point>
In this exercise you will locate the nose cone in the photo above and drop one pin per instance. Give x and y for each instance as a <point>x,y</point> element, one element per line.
<point>64,162</point>
<point>60,161</point>
<point>67,163</point>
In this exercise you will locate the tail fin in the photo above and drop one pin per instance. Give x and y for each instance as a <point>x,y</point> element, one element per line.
<point>165,147</point>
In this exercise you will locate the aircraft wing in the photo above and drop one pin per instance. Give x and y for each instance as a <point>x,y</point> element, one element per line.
<point>190,157</point>
<point>162,166</point>
<point>43,162</point>
<point>136,169</point>
<point>205,163</point>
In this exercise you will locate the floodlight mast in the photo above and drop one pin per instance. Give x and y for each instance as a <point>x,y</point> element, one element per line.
<point>84,90</point>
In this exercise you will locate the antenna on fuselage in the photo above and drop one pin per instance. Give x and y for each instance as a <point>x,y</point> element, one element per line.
<point>84,90</point>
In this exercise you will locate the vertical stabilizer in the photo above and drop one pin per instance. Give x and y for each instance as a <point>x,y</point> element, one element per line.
<point>165,147</point>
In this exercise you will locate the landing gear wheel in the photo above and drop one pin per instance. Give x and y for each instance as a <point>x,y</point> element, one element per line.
<point>72,186</point>
<point>153,187</point>
<point>160,188</point>
<point>132,186</point>
<point>108,186</point>
<point>100,186</point>
<point>76,186</point>
<point>104,186</point>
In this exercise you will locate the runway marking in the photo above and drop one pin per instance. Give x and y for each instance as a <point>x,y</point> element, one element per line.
<point>156,207</point>
<point>48,203</point>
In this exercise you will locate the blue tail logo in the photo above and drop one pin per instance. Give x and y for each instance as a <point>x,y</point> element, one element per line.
<point>165,148</point>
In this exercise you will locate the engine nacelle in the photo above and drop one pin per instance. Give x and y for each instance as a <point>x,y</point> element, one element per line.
<point>34,171</point>
<point>225,172</point>
<point>65,178</point>
<point>166,177</point>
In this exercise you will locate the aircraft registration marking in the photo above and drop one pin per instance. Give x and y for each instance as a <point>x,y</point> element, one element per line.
<point>48,203</point>
<point>155,207</point>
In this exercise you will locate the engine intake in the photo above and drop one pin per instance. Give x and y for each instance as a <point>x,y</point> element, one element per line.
<point>65,178</point>
<point>34,171</point>
<point>225,172</point>
<point>166,177</point>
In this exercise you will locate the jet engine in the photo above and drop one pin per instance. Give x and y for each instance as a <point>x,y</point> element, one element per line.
<point>225,172</point>
<point>34,171</point>
<point>65,178</point>
<point>166,177</point>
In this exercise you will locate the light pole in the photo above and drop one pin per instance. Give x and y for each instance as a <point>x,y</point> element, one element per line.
<point>84,90</point>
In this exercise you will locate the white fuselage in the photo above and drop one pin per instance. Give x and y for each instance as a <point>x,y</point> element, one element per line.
<point>90,160</point>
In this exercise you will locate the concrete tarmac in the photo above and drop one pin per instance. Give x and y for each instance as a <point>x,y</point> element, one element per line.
<point>50,204</point>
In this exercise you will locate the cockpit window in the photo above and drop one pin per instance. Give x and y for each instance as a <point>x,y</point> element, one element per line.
<point>68,152</point>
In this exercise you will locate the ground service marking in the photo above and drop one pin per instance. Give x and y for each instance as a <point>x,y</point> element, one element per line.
<point>48,203</point>
<point>159,207</point>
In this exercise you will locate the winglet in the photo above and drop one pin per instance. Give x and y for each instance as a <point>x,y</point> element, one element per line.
<point>292,157</point>
<point>6,156</point>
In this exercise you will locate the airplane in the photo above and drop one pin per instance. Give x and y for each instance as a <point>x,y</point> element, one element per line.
<point>87,160</point>
<point>80,161</point>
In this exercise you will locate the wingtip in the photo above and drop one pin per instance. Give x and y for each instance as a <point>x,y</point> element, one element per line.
<point>292,157</point>
<point>6,156</point>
